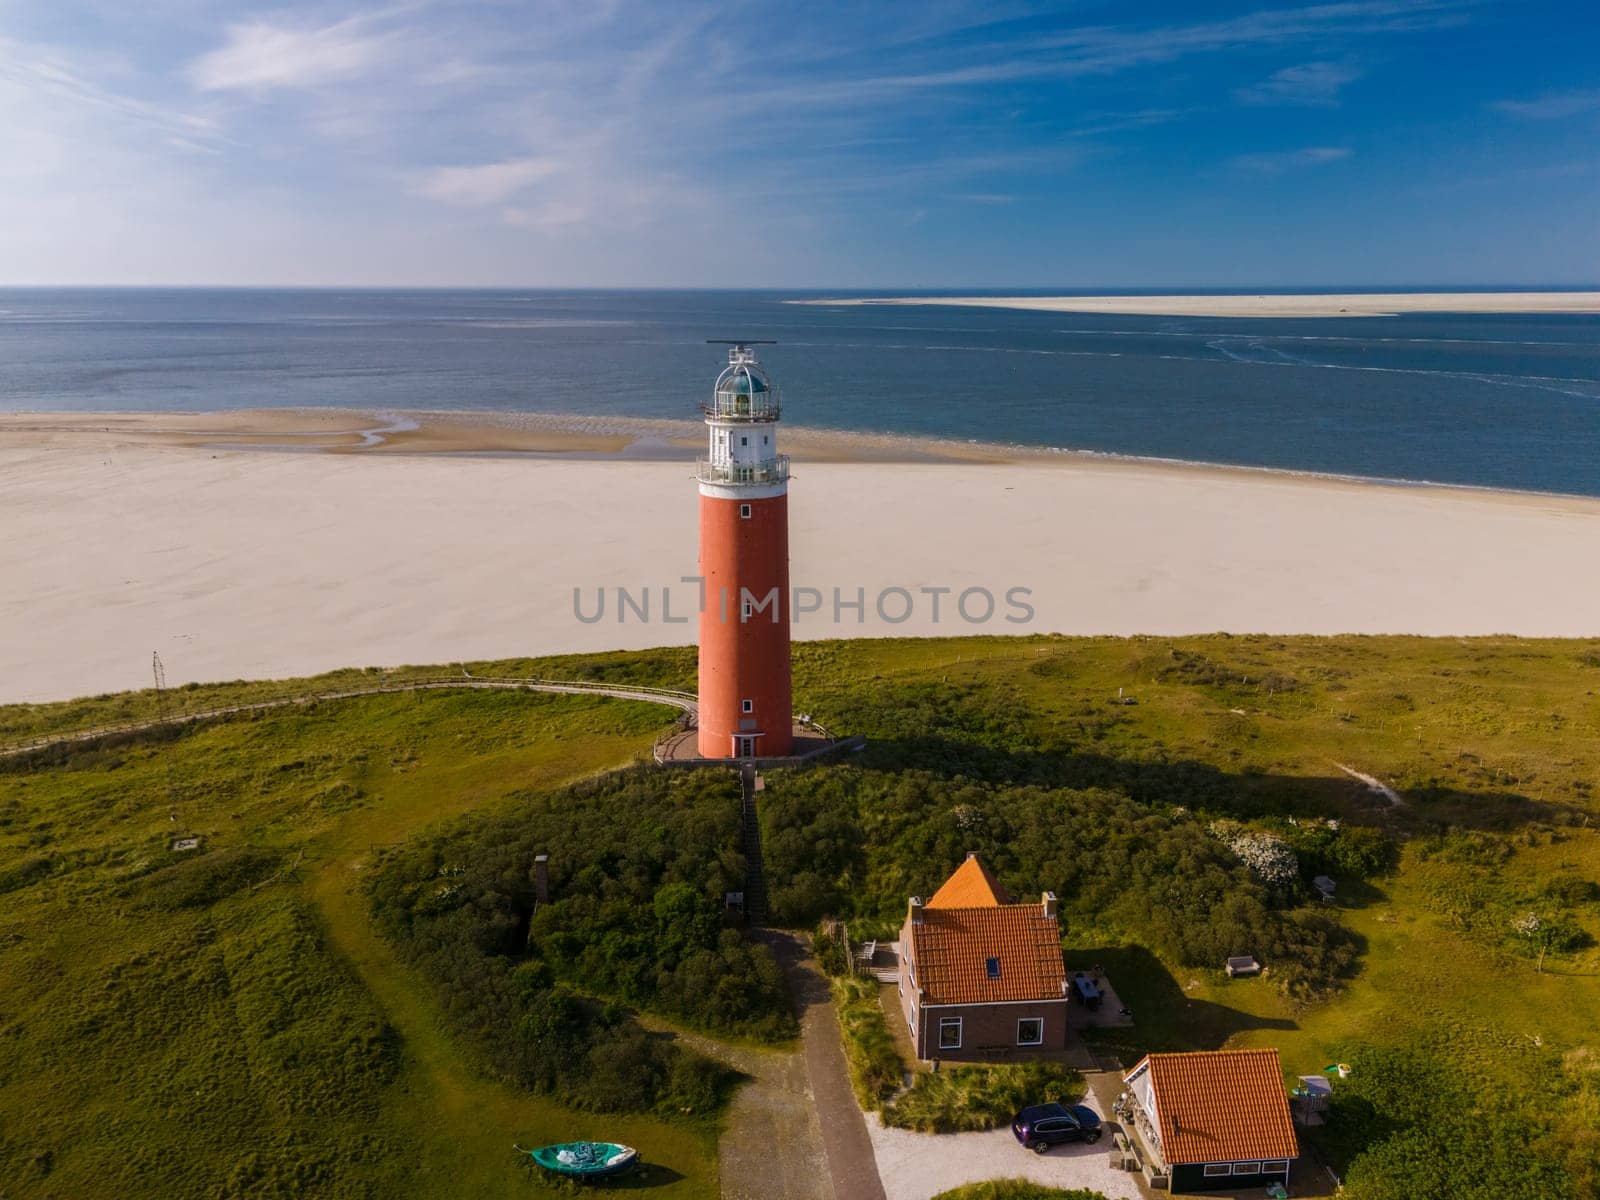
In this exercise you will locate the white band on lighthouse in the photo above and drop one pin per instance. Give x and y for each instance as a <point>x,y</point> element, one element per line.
<point>742,460</point>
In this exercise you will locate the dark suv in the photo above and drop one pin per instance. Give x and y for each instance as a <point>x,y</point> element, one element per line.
<point>1045,1125</point>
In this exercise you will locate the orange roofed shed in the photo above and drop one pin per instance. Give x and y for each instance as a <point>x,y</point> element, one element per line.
<point>1216,1118</point>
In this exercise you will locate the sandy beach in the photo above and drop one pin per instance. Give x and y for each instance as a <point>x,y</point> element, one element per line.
<point>1355,304</point>
<point>206,537</point>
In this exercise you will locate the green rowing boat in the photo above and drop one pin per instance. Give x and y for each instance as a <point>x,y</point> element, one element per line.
<point>585,1160</point>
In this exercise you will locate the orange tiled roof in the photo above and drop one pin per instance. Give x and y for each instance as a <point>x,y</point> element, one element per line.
<point>950,948</point>
<point>970,886</point>
<point>1221,1106</point>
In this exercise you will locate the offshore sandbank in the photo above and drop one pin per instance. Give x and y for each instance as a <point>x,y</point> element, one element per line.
<point>1352,304</point>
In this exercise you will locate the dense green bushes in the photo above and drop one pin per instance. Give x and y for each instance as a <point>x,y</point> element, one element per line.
<point>858,842</point>
<point>1418,1126</point>
<point>638,865</point>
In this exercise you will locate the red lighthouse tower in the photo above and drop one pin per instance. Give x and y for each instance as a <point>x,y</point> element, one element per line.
<point>745,709</point>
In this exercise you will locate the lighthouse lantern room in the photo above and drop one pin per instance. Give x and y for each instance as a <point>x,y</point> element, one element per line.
<point>745,706</point>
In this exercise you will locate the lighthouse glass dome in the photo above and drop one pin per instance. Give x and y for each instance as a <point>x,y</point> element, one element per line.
<point>743,391</point>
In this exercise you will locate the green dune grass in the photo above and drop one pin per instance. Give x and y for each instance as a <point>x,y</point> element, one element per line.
<point>227,1021</point>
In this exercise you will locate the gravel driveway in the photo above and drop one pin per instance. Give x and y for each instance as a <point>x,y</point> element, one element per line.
<point>915,1166</point>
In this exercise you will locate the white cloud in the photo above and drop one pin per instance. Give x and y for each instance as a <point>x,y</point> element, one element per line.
<point>1553,106</point>
<point>489,183</point>
<point>545,217</point>
<point>1315,83</point>
<point>259,56</point>
<point>1288,160</point>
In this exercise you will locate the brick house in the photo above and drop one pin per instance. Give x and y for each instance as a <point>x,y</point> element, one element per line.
<point>1214,1118</point>
<point>980,976</point>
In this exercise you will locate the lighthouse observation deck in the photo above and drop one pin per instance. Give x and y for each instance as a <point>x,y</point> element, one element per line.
<point>774,470</point>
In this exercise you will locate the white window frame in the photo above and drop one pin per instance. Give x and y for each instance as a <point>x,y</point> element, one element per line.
<point>744,512</point>
<point>1038,1041</point>
<point>1247,1168</point>
<point>960,1031</point>
<point>746,610</point>
<point>1275,1166</point>
<point>748,706</point>
<point>1216,1170</point>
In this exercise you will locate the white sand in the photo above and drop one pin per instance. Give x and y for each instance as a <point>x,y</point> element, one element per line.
<point>1352,305</point>
<point>265,564</point>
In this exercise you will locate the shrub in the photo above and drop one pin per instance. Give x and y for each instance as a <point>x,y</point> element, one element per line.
<point>638,864</point>
<point>876,1069</point>
<point>1016,1189</point>
<point>971,1098</point>
<point>1154,878</point>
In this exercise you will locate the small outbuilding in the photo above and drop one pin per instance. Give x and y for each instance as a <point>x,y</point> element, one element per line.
<point>1214,1119</point>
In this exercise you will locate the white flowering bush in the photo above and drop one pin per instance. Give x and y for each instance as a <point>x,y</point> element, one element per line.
<point>1270,859</point>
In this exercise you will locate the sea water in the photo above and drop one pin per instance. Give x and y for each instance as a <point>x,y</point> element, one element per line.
<point>1510,401</point>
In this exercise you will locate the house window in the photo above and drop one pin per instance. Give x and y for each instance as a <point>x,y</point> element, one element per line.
<point>745,610</point>
<point>747,706</point>
<point>1278,1167</point>
<point>949,1033</point>
<point>991,967</point>
<point>1030,1031</point>
<point>744,441</point>
<point>1213,1169</point>
<point>1247,1168</point>
<point>744,511</point>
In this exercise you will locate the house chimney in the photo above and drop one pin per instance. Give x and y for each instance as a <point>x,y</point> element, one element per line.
<point>1048,903</point>
<point>915,910</point>
<point>972,854</point>
<point>541,878</point>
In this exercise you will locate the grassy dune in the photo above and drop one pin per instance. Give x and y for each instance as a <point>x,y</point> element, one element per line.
<point>167,1033</point>
<point>227,1022</point>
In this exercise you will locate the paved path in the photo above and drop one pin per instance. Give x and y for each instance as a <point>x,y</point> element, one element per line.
<point>681,700</point>
<point>852,1167</point>
<point>795,1115</point>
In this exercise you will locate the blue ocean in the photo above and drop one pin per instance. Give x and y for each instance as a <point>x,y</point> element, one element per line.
<point>1493,401</point>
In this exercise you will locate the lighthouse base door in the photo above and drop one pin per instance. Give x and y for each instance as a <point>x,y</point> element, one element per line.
<point>744,746</point>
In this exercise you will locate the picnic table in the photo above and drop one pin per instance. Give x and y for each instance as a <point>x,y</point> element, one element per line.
<point>1088,991</point>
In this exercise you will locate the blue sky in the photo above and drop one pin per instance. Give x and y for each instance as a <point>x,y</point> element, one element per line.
<point>936,144</point>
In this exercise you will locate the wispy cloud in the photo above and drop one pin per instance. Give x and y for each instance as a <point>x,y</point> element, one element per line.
<point>1275,163</point>
<point>1313,83</point>
<point>263,55</point>
<point>487,183</point>
<point>42,72</point>
<point>1553,106</point>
